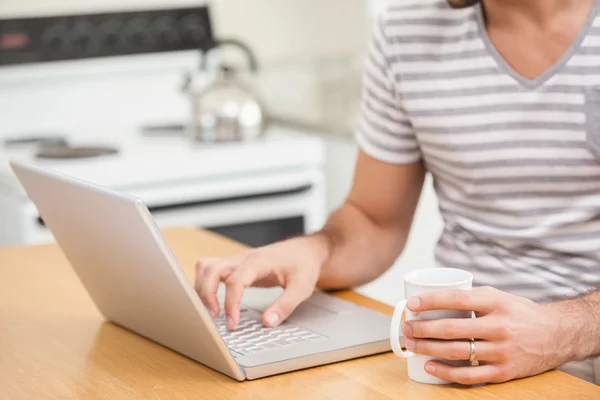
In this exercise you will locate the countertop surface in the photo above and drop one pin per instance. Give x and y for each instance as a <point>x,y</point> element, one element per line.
<point>55,345</point>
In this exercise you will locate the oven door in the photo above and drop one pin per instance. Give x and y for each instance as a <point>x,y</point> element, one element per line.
<point>254,220</point>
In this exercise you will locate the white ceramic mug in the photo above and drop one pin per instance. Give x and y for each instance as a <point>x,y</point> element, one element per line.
<point>415,283</point>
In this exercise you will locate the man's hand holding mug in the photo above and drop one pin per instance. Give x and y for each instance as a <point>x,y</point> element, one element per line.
<point>456,334</point>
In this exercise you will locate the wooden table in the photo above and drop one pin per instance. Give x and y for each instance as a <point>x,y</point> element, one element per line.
<point>55,345</point>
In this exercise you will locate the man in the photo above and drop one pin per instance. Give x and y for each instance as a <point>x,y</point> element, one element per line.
<point>500,101</point>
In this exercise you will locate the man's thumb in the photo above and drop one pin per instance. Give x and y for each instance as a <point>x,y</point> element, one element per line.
<point>285,304</point>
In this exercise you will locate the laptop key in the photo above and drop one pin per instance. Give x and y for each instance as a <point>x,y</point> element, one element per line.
<point>312,336</point>
<point>296,339</point>
<point>269,346</point>
<point>236,353</point>
<point>281,342</point>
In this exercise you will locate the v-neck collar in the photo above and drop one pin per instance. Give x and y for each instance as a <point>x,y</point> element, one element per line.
<point>552,71</point>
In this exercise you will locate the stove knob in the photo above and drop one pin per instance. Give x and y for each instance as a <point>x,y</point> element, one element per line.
<point>137,33</point>
<point>84,41</point>
<point>192,28</point>
<point>111,36</point>
<point>165,30</point>
<point>56,40</point>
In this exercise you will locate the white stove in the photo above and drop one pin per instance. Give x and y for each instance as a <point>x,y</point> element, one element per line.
<point>256,192</point>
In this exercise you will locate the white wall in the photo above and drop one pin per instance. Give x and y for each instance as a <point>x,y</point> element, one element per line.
<point>281,31</point>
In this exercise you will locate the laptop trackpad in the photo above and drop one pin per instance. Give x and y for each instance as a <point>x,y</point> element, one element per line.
<point>307,311</point>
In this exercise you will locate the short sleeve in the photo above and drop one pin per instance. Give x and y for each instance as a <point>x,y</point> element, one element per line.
<point>383,130</point>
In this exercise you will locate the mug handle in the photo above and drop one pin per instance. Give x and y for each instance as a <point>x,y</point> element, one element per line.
<point>396,333</point>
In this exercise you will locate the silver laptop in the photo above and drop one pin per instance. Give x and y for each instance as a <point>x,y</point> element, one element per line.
<point>134,279</point>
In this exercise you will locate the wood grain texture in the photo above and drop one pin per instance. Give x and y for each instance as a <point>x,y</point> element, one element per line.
<point>55,345</point>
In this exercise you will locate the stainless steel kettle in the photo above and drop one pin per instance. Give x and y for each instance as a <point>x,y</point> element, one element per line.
<point>226,109</point>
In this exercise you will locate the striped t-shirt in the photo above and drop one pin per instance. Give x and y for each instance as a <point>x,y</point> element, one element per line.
<point>515,162</point>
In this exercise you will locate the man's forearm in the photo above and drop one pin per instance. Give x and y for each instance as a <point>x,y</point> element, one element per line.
<point>359,250</point>
<point>580,326</point>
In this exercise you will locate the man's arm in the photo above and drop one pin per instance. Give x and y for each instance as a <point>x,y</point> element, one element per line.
<point>366,235</point>
<point>580,320</point>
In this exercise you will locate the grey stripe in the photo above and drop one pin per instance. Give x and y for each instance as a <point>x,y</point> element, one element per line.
<point>589,51</point>
<point>535,194</point>
<point>537,211</point>
<point>403,126</point>
<point>565,259</point>
<point>373,96</point>
<point>462,55</point>
<point>403,142</point>
<point>568,260</point>
<point>386,116</point>
<point>582,70</point>
<point>440,257</point>
<point>373,62</point>
<point>518,179</point>
<point>498,226</point>
<point>531,212</point>
<point>499,126</point>
<point>435,75</point>
<point>380,25</point>
<point>517,144</point>
<point>468,71</point>
<point>452,110</point>
<point>393,21</point>
<point>441,4</point>
<point>433,38</point>
<point>573,237</point>
<point>400,148</point>
<point>536,178</point>
<point>455,94</point>
<point>521,162</point>
<point>374,80</point>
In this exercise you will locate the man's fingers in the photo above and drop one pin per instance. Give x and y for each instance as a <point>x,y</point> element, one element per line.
<point>295,293</point>
<point>213,275</point>
<point>488,373</point>
<point>461,328</point>
<point>243,277</point>
<point>455,350</point>
<point>482,300</point>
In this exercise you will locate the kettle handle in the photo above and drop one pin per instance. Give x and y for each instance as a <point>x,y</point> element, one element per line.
<point>252,61</point>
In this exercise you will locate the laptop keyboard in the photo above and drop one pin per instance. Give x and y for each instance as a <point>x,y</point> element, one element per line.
<point>252,337</point>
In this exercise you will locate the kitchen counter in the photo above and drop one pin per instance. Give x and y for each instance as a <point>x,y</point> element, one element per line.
<point>55,345</point>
